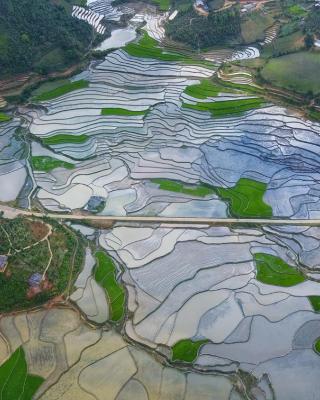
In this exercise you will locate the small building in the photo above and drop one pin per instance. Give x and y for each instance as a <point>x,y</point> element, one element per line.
<point>201,7</point>
<point>95,203</point>
<point>3,263</point>
<point>35,279</point>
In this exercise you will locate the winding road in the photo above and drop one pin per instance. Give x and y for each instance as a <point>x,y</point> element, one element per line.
<point>10,212</point>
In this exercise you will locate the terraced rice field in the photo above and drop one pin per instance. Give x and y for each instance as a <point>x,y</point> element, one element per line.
<point>46,164</point>
<point>122,111</point>
<point>195,132</point>
<point>61,90</point>
<point>4,117</point>
<point>235,310</point>
<point>72,359</point>
<point>105,276</point>
<point>215,296</point>
<point>15,382</point>
<point>227,107</point>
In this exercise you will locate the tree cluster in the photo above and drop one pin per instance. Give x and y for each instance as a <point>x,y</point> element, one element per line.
<point>312,22</point>
<point>39,35</point>
<point>200,32</point>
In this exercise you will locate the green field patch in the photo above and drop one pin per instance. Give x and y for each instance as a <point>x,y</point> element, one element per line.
<point>186,350</point>
<point>122,111</point>
<point>227,108</point>
<point>296,10</point>
<point>15,382</point>
<point>46,164</point>
<point>201,190</point>
<point>245,199</point>
<point>315,302</point>
<point>163,5</point>
<point>298,72</point>
<point>4,117</point>
<point>317,346</point>
<point>203,90</point>
<point>105,276</point>
<point>148,47</point>
<point>61,139</point>
<point>61,90</point>
<point>314,115</point>
<point>273,270</point>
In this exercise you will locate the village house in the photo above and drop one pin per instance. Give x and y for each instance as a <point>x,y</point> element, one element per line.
<point>3,263</point>
<point>201,7</point>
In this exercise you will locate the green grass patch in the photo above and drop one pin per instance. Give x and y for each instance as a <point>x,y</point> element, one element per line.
<point>15,382</point>
<point>274,271</point>
<point>245,199</point>
<point>61,90</point>
<point>298,72</point>
<point>227,108</point>
<point>186,350</point>
<point>201,190</point>
<point>317,346</point>
<point>315,302</point>
<point>105,275</point>
<point>148,47</point>
<point>203,90</point>
<point>46,164</point>
<point>122,111</point>
<point>4,117</point>
<point>61,139</point>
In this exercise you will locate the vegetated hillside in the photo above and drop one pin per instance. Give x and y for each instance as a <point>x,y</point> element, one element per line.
<point>312,22</point>
<point>201,32</point>
<point>40,35</point>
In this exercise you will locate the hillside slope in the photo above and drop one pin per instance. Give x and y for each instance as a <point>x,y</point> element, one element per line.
<point>40,35</point>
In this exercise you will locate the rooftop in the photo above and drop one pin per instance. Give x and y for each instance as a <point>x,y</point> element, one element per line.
<point>3,262</point>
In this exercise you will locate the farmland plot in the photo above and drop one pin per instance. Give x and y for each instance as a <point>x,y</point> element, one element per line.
<point>13,168</point>
<point>73,360</point>
<point>146,114</point>
<point>224,299</point>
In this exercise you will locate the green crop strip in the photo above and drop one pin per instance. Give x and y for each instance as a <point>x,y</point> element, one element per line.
<point>148,47</point>
<point>203,90</point>
<point>317,346</point>
<point>122,111</point>
<point>4,117</point>
<point>105,275</point>
<point>186,350</point>
<point>64,89</point>
<point>274,271</point>
<point>315,302</point>
<point>62,139</point>
<point>46,164</point>
<point>15,382</point>
<point>201,190</point>
<point>245,199</point>
<point>227,108</point>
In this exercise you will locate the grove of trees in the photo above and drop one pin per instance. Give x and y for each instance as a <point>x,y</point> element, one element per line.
<point>40,35</point>
<point>200,32</point>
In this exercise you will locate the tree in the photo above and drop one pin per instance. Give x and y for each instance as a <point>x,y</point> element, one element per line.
<point>309,41</point>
